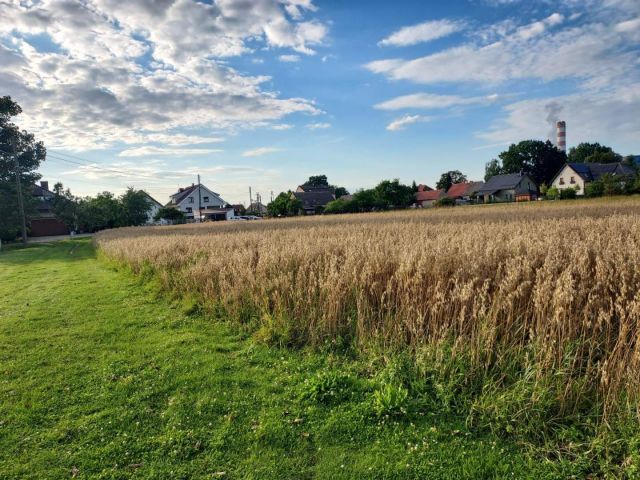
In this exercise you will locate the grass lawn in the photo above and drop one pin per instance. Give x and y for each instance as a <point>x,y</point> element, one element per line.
<point>103,377</point>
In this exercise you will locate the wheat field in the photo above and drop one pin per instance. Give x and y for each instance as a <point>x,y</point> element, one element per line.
<point>551,286</point>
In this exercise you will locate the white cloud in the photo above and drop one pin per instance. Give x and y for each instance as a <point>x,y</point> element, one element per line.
<point>432,101</point>
<point>422,32</point>
<point>94,89</point>
<point>258,152</point>
<point>591,51</point>
<point>402,122</point>
<point>282,126</point>
<point>289,58</point>
<point>318,126</point>
<point>151,150</point>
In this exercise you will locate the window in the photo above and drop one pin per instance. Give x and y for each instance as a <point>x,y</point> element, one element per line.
<point>190,199</point>
<point>189,210</point>
<point>572,180</point>
<point>561,181</point>
<point>205,199</point>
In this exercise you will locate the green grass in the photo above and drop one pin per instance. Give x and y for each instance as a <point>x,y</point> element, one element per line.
<point>103,377</point>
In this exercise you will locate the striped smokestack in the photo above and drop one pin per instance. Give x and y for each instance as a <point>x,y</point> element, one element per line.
<point>561,131</point>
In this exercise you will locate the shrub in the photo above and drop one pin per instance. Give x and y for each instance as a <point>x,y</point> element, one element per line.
<point>568,193</point>
<point>390,399</point>
<point>327,387</point>
<point>445,202</point>
<point>552,193</point>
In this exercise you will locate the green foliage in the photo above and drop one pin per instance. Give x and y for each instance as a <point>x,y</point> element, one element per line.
<point>30,154</point>
<point>340,191</point>
<point>592,153</point>
<point>393,194</point>
<point>327,387</point>
<point>285,204</point>
<point>338,206</point>
<point>492,168</point>
<point>568,193</point>
<point>541,160</point>
<point>390,399</point>
<point>552,193</point>
<point>171,214</point>
<point>449,178</point>
<point>135,207</point>
<point>594,189</point>
<point>317,181</point>
<point>445,202</point>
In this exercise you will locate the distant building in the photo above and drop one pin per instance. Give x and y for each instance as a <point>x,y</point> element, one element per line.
<point>426,198</point>
<point>464,192</point>
<point>511,187</point>
<point>45,223</point>
<point>199,202</point>
<point>257,207</point>
<point>154,207</point>
<point>579,175</point>
<point>314,198</point>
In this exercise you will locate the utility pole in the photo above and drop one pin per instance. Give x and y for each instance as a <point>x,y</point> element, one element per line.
<point>19,190</point>
<point>199,202</point>
<point>272,195</point>
<point>250,199</point>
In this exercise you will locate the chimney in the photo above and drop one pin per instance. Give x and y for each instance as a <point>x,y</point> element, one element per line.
<point>561,131</point>
<point>44,185</point>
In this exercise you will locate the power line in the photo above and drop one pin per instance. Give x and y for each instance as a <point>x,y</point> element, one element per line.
<point>95,167</point>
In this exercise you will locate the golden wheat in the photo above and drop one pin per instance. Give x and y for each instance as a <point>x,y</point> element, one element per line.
<point>554,282</point>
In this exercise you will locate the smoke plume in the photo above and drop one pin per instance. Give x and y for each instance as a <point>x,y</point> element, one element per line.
<point>553,110</point>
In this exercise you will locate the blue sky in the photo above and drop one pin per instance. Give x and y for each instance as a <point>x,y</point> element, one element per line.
<point>267,93</point>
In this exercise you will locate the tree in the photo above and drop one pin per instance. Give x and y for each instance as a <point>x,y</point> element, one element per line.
<point>541,160</point>
<point>65,206</point>
<point>449,178</point>
<point>393,194</point>
<point>592,153</point>
<point>170,214</point>
<point>16,143</point>
<point>317,181</point>
<point>135,207</point>
<point>491,169</point>
<point>285,204</point>
<point>100,212</point>
<point>340,191</point>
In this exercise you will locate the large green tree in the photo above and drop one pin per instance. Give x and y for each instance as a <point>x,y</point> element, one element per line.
<point>393,194</point>
<point>284,204</point>
<point>171,214</point>
<point>65,206</point>
<point>317,181</point>
<point>135,207</point>
<point>541,160</point>
<point>16,143</point>
<point>592,153</point>
<point>449,178</point>
<point>492,168</point>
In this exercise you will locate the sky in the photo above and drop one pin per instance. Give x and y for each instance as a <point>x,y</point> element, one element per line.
<point>265,93</point>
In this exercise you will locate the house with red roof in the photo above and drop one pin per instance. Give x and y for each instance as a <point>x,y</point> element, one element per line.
<point>463,192</point>
<point>426,198</point>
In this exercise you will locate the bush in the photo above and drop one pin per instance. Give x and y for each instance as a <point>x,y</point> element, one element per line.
<point>552,193</point>
<point>568,193</point>
<point>327,387</point>
<point>390,399</point>
<point>445,202</point>
<point>594,189</point>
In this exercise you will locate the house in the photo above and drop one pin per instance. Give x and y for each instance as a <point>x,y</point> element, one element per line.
<point>511,187</point>
<point>45,223</point>
<point>313,198</point>
<point>199,199</point>
<point>154,207</point>
<point>578,175</point>
<point>464,192</point>
<point>426,198</point>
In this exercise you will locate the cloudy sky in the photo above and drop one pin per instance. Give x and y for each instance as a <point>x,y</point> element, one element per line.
<point>264,93</point>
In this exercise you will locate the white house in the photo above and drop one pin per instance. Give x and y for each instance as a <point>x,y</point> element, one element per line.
<point>154,207</point>
<point>198,198</point>
<point>578,175</point>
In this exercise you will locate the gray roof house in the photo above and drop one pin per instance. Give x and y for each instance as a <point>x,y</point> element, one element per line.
<point>510,187</point>
<point>315,199</point>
